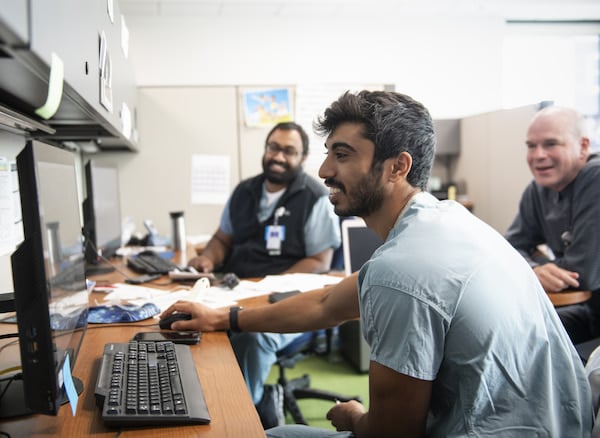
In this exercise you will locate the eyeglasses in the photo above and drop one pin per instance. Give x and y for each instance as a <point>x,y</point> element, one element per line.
<point>288,151</point>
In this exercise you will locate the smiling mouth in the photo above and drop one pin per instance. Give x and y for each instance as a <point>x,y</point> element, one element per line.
<point>277,167</point>
<point>334,193</point>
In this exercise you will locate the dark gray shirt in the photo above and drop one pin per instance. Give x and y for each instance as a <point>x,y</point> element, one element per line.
<point>567,221</point>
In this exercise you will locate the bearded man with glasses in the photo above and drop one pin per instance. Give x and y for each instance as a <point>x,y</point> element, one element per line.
<point>280,221</point>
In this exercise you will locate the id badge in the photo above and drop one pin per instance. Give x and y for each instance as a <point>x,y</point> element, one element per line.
<point>274,235</point>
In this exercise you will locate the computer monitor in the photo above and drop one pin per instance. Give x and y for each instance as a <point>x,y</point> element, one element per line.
<point>51,300</point>
<point>101,214</point>
<point>358,244</point>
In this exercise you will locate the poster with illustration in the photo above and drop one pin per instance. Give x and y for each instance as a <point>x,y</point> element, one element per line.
<point>267,107</point>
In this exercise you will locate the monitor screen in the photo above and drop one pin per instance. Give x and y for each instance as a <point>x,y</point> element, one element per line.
<point>101,212</point>
<point>358,243</point>
<point>48,274</point>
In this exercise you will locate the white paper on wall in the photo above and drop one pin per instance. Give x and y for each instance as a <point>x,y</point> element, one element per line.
<point>210,179</point>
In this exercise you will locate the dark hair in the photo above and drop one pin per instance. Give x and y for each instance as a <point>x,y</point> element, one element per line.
<point>289,126</point>
<point>394,122</point>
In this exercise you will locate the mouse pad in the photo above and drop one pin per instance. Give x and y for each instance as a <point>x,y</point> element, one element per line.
<point>121,313</point>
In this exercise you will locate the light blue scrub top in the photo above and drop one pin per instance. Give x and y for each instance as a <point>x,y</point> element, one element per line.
<point>447,299</point>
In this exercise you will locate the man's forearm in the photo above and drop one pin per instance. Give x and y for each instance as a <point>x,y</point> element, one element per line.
<point>299,313</point>
<point>216,249</point>
<point>321,308</point>
<point>281,317</point>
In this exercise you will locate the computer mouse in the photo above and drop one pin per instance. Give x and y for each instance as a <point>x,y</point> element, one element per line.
<point>165,323</point>
<point>230,280</point>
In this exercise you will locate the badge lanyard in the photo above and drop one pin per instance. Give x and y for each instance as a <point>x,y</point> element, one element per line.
<point>275,234</point>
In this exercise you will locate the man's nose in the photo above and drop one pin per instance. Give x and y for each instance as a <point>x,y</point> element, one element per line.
<point>325,170</point>
<point>537,152</point>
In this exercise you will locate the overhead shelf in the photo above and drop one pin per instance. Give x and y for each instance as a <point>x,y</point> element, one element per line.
<point>73,50</point>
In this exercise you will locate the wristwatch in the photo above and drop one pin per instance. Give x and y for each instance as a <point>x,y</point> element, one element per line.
<point>233,318</point>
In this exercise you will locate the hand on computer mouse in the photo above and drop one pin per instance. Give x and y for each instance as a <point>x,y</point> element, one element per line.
<point>203,318</point>
<point>165,323</point>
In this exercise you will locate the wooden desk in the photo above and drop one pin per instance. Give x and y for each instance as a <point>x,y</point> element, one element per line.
<point>229,403</point>
<point>567,297</point>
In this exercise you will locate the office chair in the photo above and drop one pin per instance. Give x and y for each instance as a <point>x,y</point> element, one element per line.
<point>299,388</point>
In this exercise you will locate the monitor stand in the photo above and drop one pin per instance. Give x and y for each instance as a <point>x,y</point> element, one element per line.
<point>91,269</point>
<point>7,302</point>
<point>12,401</point>
<point>63,398</point>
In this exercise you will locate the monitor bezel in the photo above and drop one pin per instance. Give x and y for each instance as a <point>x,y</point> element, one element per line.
<point>347,248</point>
<point>42,370</point>
<point>94,249</point>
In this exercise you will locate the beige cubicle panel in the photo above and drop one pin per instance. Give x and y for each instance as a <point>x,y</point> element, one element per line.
<point>492,163</point>
<point>176,123</point>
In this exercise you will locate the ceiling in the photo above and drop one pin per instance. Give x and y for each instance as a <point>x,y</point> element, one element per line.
<point>553,10</point>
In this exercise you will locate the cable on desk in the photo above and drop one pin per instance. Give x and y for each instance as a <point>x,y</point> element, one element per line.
<point>95,249</point>
<point>119,324</point>
<point>8,344</point>
<point>10,379</point>
<point>90,327</point>
<point>9,370</point>
<point>17,376</point>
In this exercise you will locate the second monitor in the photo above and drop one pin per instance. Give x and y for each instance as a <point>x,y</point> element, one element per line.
<point>358,243</point>
<point>101,215</point>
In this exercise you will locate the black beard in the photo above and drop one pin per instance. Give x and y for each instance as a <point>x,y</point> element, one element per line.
<point>280,178</point>
<point>365,200</point>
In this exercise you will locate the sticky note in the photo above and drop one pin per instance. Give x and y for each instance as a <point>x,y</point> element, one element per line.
<point>69,385</point>
<point>55,88</point>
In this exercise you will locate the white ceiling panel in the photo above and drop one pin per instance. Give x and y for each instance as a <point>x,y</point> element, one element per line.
<point>507,9</point>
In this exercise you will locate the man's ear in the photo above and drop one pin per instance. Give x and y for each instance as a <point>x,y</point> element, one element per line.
<point>584,144</point>
<point>401,165</point>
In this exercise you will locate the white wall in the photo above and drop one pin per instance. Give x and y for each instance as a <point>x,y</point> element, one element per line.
<point>453,65</point>
<point>176,123</point>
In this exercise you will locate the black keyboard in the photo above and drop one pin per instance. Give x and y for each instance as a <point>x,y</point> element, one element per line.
<point>149,384</point>
<point>151,263</point>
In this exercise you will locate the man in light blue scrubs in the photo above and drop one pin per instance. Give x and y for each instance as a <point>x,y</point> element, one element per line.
<point>464,341</point>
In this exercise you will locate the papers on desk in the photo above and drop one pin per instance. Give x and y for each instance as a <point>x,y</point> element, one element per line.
<point>125,251</point>
<point>287,282</point>
<point>214,297</point>
<point>120,293</point>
